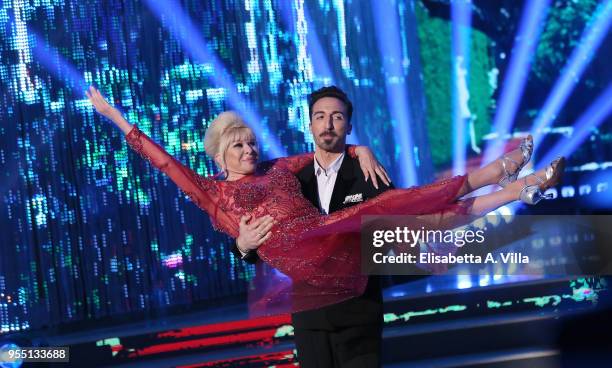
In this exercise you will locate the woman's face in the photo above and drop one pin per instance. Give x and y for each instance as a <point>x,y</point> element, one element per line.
<point>241,157</point>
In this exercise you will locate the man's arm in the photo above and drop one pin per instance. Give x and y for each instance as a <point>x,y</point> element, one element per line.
<point>251,235</point>
<point>249,257</point>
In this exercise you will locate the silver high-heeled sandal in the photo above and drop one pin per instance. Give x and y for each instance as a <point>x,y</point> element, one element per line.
<point>532,194</point>
<point>526,150</point>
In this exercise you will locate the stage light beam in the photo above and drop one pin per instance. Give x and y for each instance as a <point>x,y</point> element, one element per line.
<point>593,35</point>
<point>525,42</point>
<point>172,16</point>
<point>59,67</point>
<point>594,116</point>
<point>390,46</point>
<point>461,17</point>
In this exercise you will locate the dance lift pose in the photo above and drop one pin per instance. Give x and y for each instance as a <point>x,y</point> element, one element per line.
<point>320,253</point>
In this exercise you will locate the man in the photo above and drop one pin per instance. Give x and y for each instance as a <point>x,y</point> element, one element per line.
<point>349,333</point>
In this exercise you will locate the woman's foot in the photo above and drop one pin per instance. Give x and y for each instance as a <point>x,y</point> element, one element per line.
<point>511,163</point>
<point>531,188</point>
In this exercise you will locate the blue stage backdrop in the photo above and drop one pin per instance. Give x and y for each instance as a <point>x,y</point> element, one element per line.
<point>89,230</point>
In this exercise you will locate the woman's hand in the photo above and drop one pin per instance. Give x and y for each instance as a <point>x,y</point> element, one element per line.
<point>370,166</point>
<point>107,110</point>
<point>100,103</point>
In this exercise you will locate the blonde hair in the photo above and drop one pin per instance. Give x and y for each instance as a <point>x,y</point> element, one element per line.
<point>227,127</point>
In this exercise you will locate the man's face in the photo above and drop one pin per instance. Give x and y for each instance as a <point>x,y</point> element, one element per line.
<point>329,124</point>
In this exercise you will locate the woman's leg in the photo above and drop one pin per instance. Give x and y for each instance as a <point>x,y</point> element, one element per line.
<point>486,203</point>
<point>481,177</point>
<point>491,173</point>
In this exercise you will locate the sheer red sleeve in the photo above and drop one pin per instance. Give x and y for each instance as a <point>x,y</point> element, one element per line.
<point>292,163</point>
<point>352,150</point>
<point>297,162</point>
<point>202,191</point>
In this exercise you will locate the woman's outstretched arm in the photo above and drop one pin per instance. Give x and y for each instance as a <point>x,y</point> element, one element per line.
<point>202,191</point>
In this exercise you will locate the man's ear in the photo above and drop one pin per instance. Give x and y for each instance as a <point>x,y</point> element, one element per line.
<point>349,129</point>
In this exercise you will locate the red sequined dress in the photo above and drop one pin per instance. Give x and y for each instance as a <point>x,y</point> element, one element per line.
<point>320,253</point>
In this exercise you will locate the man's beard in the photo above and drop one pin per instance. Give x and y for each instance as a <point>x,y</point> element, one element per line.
<point>328,142</point>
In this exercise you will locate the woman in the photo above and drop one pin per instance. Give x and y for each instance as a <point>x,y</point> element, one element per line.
<point>320,253</point>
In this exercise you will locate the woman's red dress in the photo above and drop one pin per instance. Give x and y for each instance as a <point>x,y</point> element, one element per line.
<point>320,253</point>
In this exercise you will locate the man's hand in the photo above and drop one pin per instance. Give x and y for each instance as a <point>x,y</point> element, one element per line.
<point>370,166</point>
<point>252,235</point>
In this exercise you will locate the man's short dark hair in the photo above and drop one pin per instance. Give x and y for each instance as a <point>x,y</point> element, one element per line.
<point>331,91</point>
